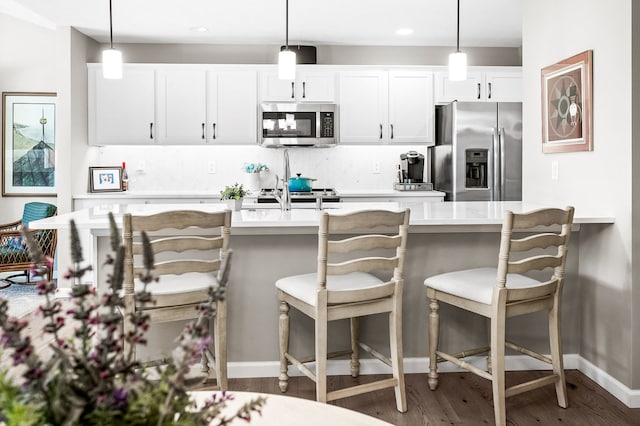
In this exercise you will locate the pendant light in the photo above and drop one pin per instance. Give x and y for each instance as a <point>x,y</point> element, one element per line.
<point>286,57</point>
<point>111,58</point>
<point>458,59</point>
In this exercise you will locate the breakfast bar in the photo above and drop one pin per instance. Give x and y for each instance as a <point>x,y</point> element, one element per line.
<point>269,244</point>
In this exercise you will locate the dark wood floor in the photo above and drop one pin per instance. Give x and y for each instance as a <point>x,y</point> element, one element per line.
<point>465,399</point>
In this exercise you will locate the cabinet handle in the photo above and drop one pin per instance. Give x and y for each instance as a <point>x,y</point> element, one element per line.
<point>380,130</point>
<point>304,89</point>
<point>293,90</point>
<point>392,131</point>
<point>489,94</point>
<point>150,130</point>
<point>478,90</point>
<point>203,131</point>
<point>214,130</point>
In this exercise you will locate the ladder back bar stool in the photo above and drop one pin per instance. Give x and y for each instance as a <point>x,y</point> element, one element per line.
<point>184,280</point>
<point>540,247</point>
<point>344,286</point>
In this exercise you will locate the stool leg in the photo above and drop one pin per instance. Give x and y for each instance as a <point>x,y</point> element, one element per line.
<point>355,348</point>
<point>321,349</point>
<point>283,379</point>
<point>395,342</point>
<point>555,344</point>
<point>497,367</point>
<point>434,326</point>
<point>220,343</point>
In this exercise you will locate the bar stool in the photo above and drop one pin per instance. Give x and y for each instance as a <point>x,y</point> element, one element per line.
<point>505,291</point>
<point>345,287</point>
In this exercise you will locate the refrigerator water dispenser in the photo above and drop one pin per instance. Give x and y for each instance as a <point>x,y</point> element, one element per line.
<point>476,168</point>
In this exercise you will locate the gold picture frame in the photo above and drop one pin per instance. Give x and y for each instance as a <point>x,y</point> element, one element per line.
<point>28,144</point>
<point>567,109</point>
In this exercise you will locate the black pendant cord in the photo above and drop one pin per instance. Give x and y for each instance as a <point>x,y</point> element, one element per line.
<point>286,39</point>
<point>457,30</point>
<point>111,25</point>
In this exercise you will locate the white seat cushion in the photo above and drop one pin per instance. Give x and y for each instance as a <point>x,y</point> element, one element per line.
<point>304,287</point>
<point>170,290</point>
<point>476,284</point>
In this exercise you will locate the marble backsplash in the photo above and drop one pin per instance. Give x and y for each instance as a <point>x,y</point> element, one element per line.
<point>210,168</point>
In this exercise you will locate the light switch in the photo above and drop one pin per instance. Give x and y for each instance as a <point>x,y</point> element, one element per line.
<point>142,166</point>
<point>554,170</point>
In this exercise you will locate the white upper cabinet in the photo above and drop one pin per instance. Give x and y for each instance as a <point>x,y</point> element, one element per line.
<point>232,106</point>
<point>411,113</point>
<point>386,107</point>
<point>181,105</point>
<point>480,86</point>
<point>121,111</point>
<point>311,85</point>
<point>364,106</point>
<point>174,104</point>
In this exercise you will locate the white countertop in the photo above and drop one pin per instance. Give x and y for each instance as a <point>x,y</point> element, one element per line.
<point>425,216</point>
<point>215,195</point>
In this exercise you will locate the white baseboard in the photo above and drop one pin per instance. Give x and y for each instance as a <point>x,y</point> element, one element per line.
<point>630,397</point>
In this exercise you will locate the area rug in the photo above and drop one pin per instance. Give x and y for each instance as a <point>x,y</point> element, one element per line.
<point>23,299</point>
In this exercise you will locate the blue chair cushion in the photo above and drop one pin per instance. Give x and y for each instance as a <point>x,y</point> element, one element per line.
<point>37,210</point>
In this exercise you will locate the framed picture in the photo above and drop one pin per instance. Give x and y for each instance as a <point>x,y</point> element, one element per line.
<point>567,121</point>
<point>28,144</point>
<point>105,179</point>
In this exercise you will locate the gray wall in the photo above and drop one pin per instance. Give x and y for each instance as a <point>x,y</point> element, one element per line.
<point>601,179</point>
<point>329,55</point>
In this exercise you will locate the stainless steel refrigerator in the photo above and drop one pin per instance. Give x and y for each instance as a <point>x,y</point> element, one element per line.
<point>478,151</point>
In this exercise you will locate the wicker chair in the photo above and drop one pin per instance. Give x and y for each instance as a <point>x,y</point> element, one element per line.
<point>14,255</point>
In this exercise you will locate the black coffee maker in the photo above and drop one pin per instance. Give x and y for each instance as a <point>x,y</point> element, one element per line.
<point>411,167</point>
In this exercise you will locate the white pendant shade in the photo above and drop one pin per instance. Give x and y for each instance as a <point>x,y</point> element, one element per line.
<point>112,64</point>
<point>457,66</point>
<point>287,65</point>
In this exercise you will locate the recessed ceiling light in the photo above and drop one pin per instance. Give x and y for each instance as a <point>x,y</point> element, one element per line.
<point>404,31</point>
<point>199,29</point>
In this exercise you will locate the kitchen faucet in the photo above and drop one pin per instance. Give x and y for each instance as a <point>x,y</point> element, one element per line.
<point>284,198</point>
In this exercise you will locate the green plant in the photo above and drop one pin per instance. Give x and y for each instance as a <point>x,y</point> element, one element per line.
<point>86,378</point>
<point>234,192</point>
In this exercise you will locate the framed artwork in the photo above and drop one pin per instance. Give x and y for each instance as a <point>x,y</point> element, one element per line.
<point>28,144</point>
<point>105,179</point>
<point>567,121</point>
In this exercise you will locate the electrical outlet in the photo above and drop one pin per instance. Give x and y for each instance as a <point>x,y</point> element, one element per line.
<point>142,166</point>
<point>554,170</point>
<point>211,167</point>
<point>376,167</point>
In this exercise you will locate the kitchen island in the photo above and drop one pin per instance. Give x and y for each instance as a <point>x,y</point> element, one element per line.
<point>269,244</point>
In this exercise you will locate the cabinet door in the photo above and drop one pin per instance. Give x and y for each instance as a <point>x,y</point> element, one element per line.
<point>121,112</point>
<point>363,106</point>
<point>411,111</point>
<point>309,86</point>
<point>316,86</point>
<point>181,106</point>
<point>504,86</point>
<point>232,108</point>
<point>468,90</point>
<point>272,89</point>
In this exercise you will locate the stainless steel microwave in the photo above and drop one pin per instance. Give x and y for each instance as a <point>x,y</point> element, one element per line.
<point>291,124</point>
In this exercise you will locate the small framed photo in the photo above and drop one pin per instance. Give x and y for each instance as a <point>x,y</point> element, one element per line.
<point>567,120</point>
<point>105,179</point>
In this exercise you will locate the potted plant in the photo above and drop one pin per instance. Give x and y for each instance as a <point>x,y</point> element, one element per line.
<point>85,377</point>
<point>234,195</point>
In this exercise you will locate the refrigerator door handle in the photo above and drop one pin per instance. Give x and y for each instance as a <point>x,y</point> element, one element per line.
<point>496,167</point>
<point>503,175</point>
